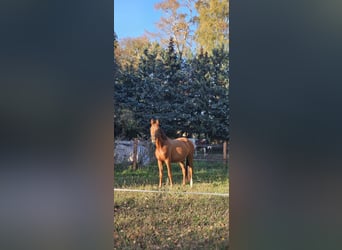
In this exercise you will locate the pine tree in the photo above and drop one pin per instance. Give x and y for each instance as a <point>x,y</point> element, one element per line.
<point>188,96</point>
<point>219,98</point>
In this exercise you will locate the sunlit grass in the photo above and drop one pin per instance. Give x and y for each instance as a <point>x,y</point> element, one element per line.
<point>207,177</point>
<point>171,220</point>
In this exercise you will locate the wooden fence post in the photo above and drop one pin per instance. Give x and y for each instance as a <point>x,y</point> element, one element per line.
<point>225,150</point>
<point>135,152</point>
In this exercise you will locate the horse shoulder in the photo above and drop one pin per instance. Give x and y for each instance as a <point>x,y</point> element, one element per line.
<point>162,153</point>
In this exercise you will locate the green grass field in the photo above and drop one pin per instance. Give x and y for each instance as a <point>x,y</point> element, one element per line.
<point>171,220</point>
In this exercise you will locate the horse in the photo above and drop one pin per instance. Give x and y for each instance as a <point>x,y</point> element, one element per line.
<point>172,151</point>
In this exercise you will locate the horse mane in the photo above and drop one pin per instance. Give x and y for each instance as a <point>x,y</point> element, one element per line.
<point>162,134</point>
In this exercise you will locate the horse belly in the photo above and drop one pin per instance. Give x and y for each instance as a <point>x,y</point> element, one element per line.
<point>178,154</point>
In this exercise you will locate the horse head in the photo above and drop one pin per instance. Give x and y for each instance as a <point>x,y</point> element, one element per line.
<point>154,130</point>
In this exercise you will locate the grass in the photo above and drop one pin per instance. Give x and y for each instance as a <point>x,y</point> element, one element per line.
<point>205,174</point>
<point>167,220</point>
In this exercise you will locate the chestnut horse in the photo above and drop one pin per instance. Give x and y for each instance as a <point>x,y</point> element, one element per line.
<point>167,150</point>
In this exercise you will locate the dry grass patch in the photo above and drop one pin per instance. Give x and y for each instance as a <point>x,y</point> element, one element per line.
<point>169,220</point>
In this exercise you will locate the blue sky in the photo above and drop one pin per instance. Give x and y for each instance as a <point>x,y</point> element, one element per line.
<point>133,17</point>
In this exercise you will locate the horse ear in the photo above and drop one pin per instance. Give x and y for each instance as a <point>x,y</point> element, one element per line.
<point>152,121</point>
<point>157,122</point>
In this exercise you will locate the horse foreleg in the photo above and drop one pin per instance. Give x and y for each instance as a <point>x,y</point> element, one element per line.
<point>183,171</point>
<point>160,166</point>
<point>168,165</point>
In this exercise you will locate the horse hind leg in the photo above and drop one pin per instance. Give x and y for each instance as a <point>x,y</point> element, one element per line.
<point>190,175</point>
<point>183,167</point>
<point>190,165</point>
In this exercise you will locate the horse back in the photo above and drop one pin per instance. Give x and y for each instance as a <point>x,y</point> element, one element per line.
<point>186,143</point>
<point>175,150</point>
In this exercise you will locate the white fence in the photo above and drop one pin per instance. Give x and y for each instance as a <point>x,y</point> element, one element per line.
<point>123,152</point>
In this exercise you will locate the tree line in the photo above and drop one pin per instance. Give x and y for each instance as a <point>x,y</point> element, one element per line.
<point>187,90</point>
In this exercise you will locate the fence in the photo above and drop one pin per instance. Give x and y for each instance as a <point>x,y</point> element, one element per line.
<point>211,152</point>
<point>140,153</point>
<point>135,152</point>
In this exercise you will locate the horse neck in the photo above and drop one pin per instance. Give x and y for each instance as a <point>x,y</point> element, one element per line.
<point>162,139</point>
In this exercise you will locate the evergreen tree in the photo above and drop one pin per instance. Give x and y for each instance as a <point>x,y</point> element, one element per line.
<point>219,100</point>
<point>125,103</point>
<point>188,96</point>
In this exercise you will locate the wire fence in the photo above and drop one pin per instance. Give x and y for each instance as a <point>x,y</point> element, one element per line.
<point>143,152</point>
<point>210,152</point>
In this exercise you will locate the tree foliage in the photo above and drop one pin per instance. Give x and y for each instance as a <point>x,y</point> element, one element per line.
<point>212,31</point>
<point>193,24</point>
<point>189,96</point>
<point>177,23</point>
<point>181,79</point>
<point>128,50</point>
